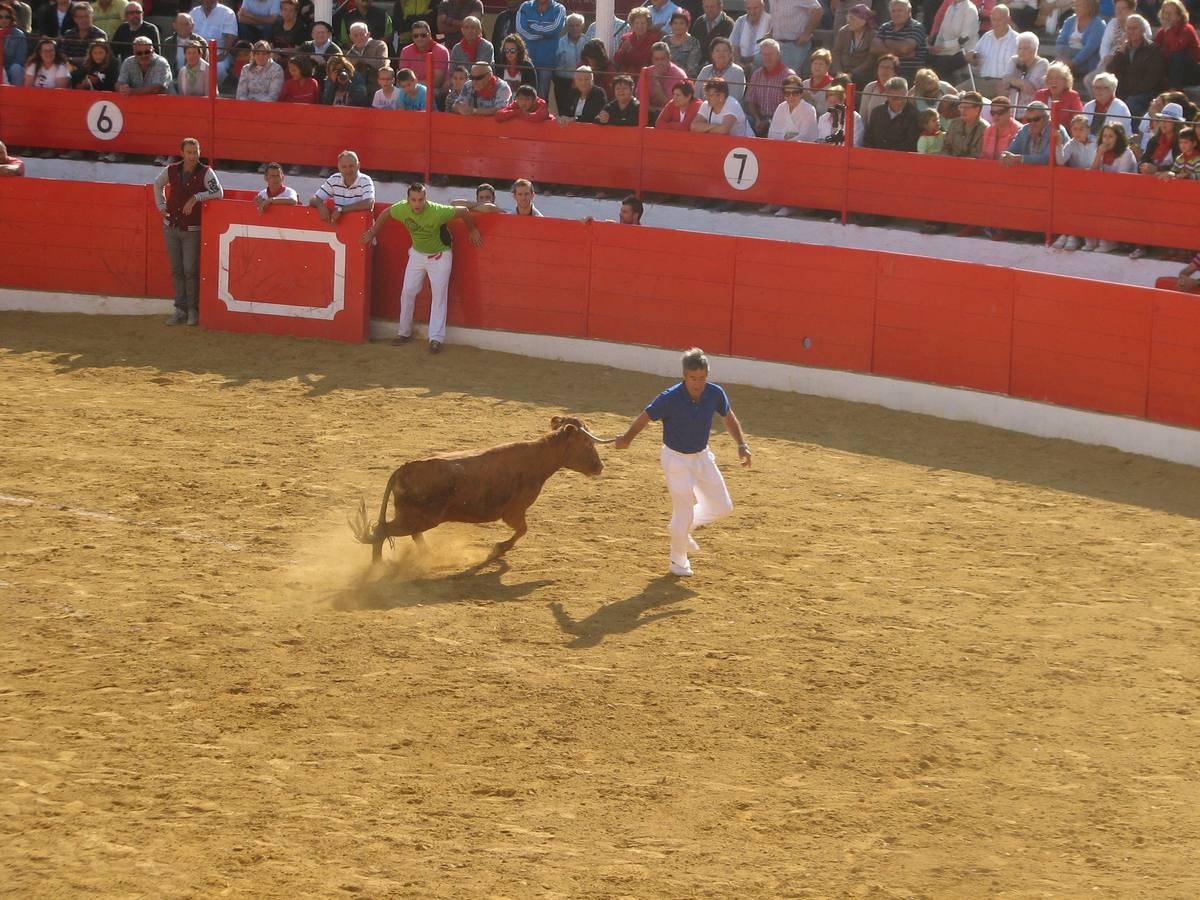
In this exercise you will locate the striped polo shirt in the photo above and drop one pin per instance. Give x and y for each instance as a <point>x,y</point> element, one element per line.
<point>912,30</point>
<point>335,187</point>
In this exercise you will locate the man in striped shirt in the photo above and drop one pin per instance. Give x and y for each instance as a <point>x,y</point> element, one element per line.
<point>903,36</point>
<point>346,190</point>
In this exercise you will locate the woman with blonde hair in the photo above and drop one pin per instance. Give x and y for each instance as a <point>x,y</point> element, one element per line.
<point>633,54</point>
<point>1179,45</point>
<point>1059,94</point>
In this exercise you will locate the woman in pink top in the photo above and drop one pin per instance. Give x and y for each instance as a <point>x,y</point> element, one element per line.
<point>1004,128</point>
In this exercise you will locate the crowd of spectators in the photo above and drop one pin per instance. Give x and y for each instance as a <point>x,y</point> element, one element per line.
<point>956,78</point>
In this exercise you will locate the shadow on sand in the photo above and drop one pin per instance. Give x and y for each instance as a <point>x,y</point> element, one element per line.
<point>607,397</point>
<point>395,588</point>
<point>624,616</point>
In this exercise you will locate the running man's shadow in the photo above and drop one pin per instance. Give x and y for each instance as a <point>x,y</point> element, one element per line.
<point>623,616</point>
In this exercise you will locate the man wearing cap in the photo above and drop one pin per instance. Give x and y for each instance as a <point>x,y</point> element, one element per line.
<point>1031,146</point>
<point>698,493</point>
<point>134,26</point>
<point>1140,67</point>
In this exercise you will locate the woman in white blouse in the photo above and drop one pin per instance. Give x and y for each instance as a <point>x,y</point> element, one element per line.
<point>794,119</point>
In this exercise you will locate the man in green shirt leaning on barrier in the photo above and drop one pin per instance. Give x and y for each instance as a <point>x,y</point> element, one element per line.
<point>430,254</point>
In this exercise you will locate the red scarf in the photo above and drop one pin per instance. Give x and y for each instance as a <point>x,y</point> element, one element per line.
<point>775,71</point>
<point>470,48</point>
<point>489,88</point>
<point>4,32</point>
<point>1109,157</point>
<point>817,85</point>
<point>1100,110</point>
<point>273,195</point>
<point>1161,147</point>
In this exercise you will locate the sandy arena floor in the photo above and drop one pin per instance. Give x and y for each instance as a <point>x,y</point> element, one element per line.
<point>923,659</point>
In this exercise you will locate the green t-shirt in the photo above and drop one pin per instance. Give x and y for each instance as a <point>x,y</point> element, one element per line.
<point>425,228</point>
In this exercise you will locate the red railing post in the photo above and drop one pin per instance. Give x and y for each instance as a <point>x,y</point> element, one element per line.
<point>1052,162</point>
<point>212,102</point>
<point>643,119</point>
<point>429,116</point>
<point>848,127</point>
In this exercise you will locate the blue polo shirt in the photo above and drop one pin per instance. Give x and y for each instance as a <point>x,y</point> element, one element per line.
<point>687,423</point>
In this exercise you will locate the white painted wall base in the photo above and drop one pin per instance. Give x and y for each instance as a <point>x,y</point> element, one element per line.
<point>1171,443</point>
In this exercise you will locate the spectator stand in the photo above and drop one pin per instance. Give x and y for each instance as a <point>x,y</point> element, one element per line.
<point>843,179</point>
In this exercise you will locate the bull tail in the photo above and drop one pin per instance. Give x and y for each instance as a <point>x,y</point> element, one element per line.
<point>363,532</point>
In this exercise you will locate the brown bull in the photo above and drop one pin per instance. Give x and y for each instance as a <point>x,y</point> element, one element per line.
<point>500,483</point>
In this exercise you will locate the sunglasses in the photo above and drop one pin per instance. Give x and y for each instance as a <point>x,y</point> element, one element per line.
<point>143,52</point>
<point>478,77</point>
<point>510,49</point>
<point>1034,119</point>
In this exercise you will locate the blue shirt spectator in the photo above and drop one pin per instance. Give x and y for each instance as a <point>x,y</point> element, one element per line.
<point>660,16</point>
<point>15,50</point>
<point>1033,147</point>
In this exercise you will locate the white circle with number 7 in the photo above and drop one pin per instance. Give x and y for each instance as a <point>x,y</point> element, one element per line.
<point>104,120</point>
<point>741,168</point>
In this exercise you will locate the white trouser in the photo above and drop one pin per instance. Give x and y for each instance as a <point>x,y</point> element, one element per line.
<point>438,269</point>
<point>698,496</point>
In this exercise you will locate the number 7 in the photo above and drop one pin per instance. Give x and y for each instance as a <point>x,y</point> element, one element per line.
<point>742,167</point>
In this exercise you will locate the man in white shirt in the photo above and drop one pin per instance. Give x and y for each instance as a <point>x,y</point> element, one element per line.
<point>214,21</point>
<point>751,28</point>
<point>346,190</point>
<point>992,54</point>
<point>276,193</point>
<point>792,24</point>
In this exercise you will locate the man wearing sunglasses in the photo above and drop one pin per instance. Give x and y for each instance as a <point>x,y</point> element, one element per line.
<point>484,93</point>
<point>416,55</point>
<point>1031,146</point>
<point>145,72</point>
<point>134,26</point>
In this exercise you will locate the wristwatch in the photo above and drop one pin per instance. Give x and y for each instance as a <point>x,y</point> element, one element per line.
<point>744,446</point>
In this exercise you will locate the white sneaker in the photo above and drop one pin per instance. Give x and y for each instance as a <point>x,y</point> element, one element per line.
<point>1089,245</point>
<point>783,212</point>
<point>768,208</point>
<point>681,571</point>
<point>1071,243</point>
<point>1106,246</point>
<point>1061,243</point>
<point>692,545</point>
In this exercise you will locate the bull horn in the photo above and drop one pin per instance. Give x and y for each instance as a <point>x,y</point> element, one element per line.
<point>611,440</point>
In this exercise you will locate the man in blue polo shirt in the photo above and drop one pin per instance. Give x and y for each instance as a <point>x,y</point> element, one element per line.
<point>698,492</point>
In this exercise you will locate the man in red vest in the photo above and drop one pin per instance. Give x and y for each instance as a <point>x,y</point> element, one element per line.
<point>179,191</point>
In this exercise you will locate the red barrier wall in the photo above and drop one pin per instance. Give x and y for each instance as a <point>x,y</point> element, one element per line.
<point>1130,208</point>
<point>1111,348</point>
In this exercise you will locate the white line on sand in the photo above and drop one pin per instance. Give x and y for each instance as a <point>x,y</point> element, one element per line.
<point>185,533</point>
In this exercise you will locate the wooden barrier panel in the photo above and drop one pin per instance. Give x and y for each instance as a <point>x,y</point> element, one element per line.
<point>1174,394</point>
<point>1087,344</point>
<point>663,288</point>
<point>799,303</point>
<point>708,165</point>
<point>103,122</point>
<point>296,133</point>
<point>945,189</point>
<point>1136,209</point>
<point>943,322</point>
<point>59,236</point>
<point>284,272</point>
<point>480,147</point>
<point>1081,343</point>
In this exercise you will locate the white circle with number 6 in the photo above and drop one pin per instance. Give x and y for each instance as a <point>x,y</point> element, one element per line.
<point>741,168</point>
<point>104,120</point>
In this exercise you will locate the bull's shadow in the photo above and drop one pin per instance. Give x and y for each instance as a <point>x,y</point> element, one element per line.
<point>623,616</point>
<point>395,590</point>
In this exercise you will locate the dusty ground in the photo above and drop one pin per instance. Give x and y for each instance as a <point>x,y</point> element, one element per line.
<point>923,659</point>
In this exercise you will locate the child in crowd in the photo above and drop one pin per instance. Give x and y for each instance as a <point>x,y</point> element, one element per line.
<point>387,97</point>
<point>931,140</point>
<point>1077,153</point>
<point>458,83</point>
<point>412,92</point>
<point>1187,162</point>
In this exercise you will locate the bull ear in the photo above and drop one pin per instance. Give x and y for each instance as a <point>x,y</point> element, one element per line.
<point>555,422</point>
